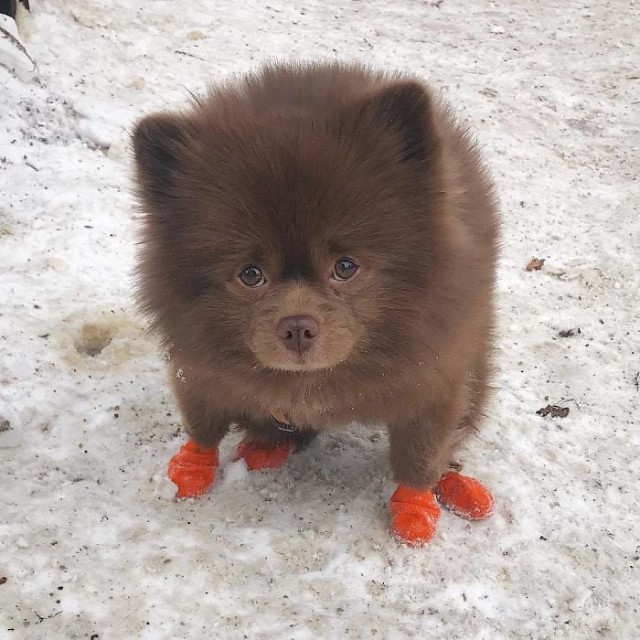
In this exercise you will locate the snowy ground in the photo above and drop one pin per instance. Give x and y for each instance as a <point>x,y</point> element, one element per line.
<point>91,543</point>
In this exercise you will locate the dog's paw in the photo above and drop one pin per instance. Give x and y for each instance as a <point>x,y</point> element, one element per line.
<point>414,515</point>
<point>465,496</point>
<point>193,469</point>
<point>260,456</point>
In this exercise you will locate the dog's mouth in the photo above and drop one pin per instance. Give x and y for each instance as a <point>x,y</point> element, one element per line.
<point>298,363</point>
<point>316,358</point>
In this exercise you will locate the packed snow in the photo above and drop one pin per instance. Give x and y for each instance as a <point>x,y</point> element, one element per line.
<point>92,543</point>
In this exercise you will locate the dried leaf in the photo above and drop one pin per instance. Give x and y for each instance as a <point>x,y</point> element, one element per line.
<point>489,92</point>
<point>535,264</point>
<point>568,333</point>
<point>553,410</point>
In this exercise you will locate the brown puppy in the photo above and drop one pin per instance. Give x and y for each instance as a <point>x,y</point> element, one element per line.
<point>319,247</point>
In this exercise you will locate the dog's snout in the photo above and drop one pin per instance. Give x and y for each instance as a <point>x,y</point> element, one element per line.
<point>298,333</point>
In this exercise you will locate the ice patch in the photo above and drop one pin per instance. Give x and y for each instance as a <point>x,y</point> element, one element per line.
<point>103,124</point>
<point>580,600</point>
<point>163,488</point>
<point>235,473</point>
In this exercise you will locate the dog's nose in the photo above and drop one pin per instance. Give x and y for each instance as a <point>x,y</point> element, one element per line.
<point>298,333</point>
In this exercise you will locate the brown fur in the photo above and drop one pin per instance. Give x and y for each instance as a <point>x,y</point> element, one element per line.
<point>291,169</point>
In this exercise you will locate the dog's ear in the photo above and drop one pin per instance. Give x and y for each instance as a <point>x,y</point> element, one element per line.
<point>158,143</point>
<point>406,107</point>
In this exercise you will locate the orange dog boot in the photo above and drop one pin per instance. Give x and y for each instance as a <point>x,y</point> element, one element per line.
<point>259,456</point>
<point>465,496</point>
<point>414,514</point>
<point>193,469</point>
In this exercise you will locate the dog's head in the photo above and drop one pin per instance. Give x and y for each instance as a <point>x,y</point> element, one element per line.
<point>290,241</point>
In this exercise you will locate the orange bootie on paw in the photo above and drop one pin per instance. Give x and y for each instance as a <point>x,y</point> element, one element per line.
<point>262,456</point>
<point>465,496</point>
<point>193,469</point>
<point>414,514</point>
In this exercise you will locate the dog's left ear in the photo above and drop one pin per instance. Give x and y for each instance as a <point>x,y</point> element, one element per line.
<point>407,108</point>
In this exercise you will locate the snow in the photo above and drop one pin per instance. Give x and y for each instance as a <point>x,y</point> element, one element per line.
<point>13,55</point>
<point>91,542</point>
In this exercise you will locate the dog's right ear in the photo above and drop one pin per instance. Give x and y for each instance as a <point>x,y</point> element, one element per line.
<point>158,145</point>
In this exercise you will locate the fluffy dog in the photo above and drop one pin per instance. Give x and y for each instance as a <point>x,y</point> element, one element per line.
<point>319,248</point>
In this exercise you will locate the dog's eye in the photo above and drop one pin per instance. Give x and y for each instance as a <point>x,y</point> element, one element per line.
<point>344,269</point>
<point>252,276</point>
